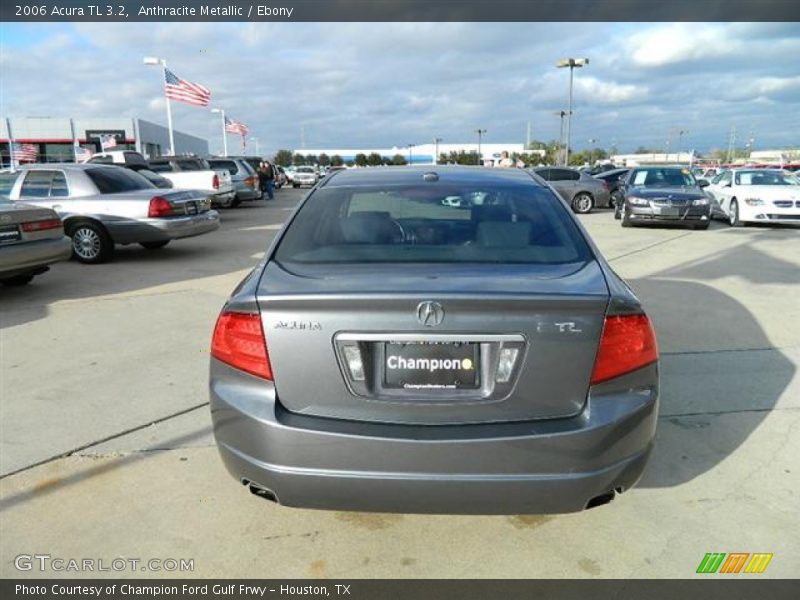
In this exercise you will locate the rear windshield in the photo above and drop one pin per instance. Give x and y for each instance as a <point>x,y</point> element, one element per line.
<point>433,224</point>
<point>112,180</point>
<point>225,165</point>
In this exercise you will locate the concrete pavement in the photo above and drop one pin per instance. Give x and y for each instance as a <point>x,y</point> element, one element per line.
<point>105,367</point>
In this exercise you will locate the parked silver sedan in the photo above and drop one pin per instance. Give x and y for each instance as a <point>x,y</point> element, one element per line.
<point>103,205</point>
<point>31,239</point>
<point>393,352</point>
<point>580,190</point>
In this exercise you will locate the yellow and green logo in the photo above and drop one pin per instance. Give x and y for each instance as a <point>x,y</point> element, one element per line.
<point>734,562</point>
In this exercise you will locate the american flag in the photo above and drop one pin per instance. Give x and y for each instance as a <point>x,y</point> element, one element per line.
<point>25,152</point>
<point>232,126</point>
<point>82,154</point>
<point>185,91</point>
<point>108,140</point>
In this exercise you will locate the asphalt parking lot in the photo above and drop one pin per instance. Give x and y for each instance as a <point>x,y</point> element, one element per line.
<point>107,449</point>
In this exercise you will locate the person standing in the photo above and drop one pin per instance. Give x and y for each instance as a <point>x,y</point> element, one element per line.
<point>505,160</point>
<point>266,178</point>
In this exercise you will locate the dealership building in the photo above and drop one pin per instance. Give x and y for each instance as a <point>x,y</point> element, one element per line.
<point>53,138</point>
<point>419,154</point>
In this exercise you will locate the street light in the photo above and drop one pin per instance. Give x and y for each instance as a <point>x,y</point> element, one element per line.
<point>591,141</point>
<point>152,61</point>
<point>561,114</point>
<point>255,139</point>
<point>480,133</point>
<point>410,146</point>
<point>680,135</point>
<point>436,151</point>
<point>572,63</point>
<point>221,112</point>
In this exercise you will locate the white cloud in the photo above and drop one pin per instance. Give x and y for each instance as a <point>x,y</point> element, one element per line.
<point>609,92</point>
<point>680,42</point>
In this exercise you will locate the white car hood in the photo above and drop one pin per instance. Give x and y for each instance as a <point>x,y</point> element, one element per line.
<point>770,192</point>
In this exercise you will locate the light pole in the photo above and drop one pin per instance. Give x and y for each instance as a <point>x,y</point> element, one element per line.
<point>410,146</point>
<point>255,139</point>
<point>154,61</point>
<point>572,63</point>
<point>591,141</point>
<point>436,151</point>
<point>221,112</point>
<point>680,135</point>
<point>561,114</point>
<point>480,133</point>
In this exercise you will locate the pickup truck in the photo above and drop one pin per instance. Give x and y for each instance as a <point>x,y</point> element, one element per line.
<point>185,172</point>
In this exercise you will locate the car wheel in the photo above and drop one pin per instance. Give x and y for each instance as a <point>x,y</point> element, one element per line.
<point>582,203</point>
<point>616,199</point>
<point>154,245</point>
<point>235,202</point>
<point>91,243</point>
<point>17,280</point>
<point>295,185</point>
<point>733,216</point>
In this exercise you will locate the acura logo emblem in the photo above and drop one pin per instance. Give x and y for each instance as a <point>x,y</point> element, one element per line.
<point>430,314</point>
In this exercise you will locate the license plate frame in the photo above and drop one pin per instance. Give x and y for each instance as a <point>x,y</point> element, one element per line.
<point>437,365</point>
<point>10,234</point>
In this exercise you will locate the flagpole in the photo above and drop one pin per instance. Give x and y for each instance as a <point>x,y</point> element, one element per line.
<point>74,140</point>
<point>10,144</point>
<point>224,133</point>
<point>169,113</point>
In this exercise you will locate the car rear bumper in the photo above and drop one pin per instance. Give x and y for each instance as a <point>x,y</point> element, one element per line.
<point>18,259</point>
<point>548,466</point>
<point>247,193</point>
<point>159,230</point>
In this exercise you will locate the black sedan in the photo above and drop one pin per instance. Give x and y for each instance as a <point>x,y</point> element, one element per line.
<point>664,195</point>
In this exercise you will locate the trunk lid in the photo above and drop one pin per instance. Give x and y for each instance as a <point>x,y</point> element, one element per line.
<point>551,315</point>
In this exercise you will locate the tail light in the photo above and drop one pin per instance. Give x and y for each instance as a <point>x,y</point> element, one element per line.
<point>159,207</point>
<point>251,181</point>
<point>238,341</point>
<point>43,225</point>
<point>626,344</point>
<point>215,182</point>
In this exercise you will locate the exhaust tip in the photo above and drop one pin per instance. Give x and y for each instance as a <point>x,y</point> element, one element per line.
<point>260,491</point>
<point>600,500</point>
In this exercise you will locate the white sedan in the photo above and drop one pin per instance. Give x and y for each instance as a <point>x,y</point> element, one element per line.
<point>757,196</point>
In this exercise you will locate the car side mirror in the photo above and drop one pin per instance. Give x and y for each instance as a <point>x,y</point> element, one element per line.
<point>703,183</point>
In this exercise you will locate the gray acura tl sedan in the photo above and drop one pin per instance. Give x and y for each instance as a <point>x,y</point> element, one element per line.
<point>396,351</point>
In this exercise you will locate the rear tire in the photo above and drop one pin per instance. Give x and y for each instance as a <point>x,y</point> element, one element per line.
<point>154,245</point>
<point>91,243</point>
<point>295,185</point>
<point>17,280</point>
<point>582,203</point>
<point>235,203</point>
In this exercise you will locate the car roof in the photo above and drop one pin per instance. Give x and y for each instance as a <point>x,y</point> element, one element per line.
<point>73,166</point>
<point>397,175</point>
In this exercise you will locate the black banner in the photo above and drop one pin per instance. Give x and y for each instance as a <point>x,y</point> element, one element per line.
<point>400,10</point>
<point>713,588</point>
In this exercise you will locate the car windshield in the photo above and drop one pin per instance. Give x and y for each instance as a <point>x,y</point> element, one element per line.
<point>113,180</point>
<point>761,177</point>
<point>305,170</point>
<point>663,177</point>
<point>433,224</point>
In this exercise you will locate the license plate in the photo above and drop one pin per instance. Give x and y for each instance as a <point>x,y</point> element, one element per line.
<point>191,208</point>
<point>667,211</point>
<point>431,365</point>
<point>9,233</point>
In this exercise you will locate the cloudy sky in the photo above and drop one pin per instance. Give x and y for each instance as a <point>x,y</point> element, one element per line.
<point>384,85</point>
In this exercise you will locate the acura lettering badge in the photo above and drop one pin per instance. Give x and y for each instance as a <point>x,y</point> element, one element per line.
<point>430,314</point>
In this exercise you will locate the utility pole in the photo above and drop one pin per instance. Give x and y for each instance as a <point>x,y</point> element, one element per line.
<point>731,145</point>
<point>528,137</point>
<point>480,133</point>
<point>562,114</point>
<point>436,151</point>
